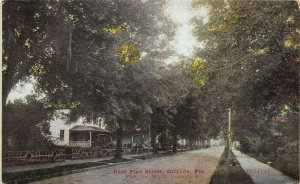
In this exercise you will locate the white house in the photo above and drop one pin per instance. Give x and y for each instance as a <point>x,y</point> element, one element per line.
<point>81,133</point>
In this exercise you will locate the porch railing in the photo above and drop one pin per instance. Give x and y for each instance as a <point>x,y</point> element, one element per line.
<point>80,143</point>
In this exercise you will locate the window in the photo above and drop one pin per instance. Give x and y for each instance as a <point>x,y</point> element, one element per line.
<point>61,135</point>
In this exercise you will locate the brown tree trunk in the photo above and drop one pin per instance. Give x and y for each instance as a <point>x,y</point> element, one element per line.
<point>153,141</point>
<point>119,149</point>
<point>175,143</point>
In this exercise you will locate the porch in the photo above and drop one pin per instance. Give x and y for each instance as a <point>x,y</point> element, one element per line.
<point>88,136</point>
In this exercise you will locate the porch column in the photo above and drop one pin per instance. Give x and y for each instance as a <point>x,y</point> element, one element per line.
<point>90,139</point>
<point>68,143</point>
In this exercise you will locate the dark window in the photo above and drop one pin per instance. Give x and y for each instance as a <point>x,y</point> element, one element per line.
<point>62,135</point>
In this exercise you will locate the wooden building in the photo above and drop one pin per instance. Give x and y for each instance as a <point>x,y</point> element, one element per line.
<point>89,136</point>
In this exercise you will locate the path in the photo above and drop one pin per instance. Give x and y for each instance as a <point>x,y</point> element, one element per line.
<point>262,173</point>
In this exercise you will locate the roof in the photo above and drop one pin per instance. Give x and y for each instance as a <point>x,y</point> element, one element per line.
<point>134,131</point>
<point>83,128</point>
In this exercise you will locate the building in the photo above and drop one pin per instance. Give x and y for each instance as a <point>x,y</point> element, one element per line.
<point>88,136</point>
<point>135,138</point>
<point>82,133</point>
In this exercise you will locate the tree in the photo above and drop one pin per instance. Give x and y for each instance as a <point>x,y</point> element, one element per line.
<point>251,55</point>
<point>72,52</point>
<point>21,24</point>
<point>26,125</point>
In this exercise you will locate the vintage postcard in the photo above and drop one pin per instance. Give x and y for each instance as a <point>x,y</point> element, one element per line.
<point>150,91</point>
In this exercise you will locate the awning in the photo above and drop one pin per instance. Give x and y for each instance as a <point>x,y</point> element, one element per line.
<point>83,128</point>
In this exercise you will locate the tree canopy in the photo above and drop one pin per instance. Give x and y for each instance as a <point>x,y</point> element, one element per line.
<point>106,58</point>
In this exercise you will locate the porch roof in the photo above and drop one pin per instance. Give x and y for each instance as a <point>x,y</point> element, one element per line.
<point>83,128</point>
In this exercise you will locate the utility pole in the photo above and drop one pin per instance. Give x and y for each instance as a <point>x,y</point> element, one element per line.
<point>229,130</point>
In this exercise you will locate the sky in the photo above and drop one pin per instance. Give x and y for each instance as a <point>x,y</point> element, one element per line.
<point>184,42</point>
<point>21,90</point>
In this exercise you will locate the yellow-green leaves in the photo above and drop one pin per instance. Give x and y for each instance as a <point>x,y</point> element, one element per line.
<point>261,51</point>
<point>286,109</point>
<point>127,53</point>
<point>288,43</point>
<point>116,28</point>
<point>291,19</point>
<point>37,70</point>
<point>197,71</point>
<point>27,43</point>
<point>196,64</point>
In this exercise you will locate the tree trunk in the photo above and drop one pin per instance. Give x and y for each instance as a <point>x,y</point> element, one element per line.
<point>5,93</point>
<point>153,141</point>
<point>69,47</point>
<point>175,143</point>
<point>7,85</point>
<point>190,144</point>
<point>119,149</point>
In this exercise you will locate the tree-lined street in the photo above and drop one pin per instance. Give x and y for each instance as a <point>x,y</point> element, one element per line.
<point>200,163</point>
<point>164,71</point>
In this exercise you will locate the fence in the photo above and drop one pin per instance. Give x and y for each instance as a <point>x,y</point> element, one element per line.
<point>80,153</point>
<point>20,157</point>
<point>25,157</point>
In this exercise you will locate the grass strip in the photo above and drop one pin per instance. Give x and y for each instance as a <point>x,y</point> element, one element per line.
<point>229,171</point>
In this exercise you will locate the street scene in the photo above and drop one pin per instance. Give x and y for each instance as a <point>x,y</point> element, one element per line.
<point>150,91</point>
<point>190,167</point>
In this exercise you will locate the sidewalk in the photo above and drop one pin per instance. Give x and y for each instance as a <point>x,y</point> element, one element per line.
<point>262,173</point>
<point>13,169</point>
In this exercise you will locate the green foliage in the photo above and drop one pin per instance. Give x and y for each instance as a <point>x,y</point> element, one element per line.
<point>26,125</point>
<point>78,52</point>
<point>127,53</point>
<point>73,61</point>
<point>250,59</point>
<point>251,53</point>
